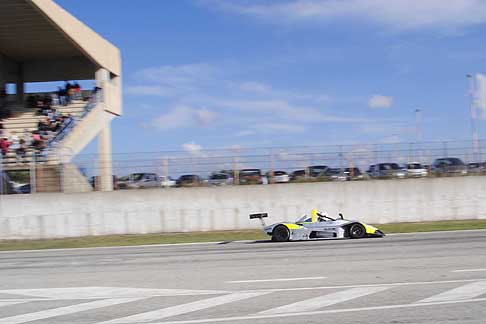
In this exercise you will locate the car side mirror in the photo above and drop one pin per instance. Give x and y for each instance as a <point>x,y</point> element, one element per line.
<point>341,215</point>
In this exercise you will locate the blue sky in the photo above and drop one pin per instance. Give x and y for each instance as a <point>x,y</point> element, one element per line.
<point>221,74</point>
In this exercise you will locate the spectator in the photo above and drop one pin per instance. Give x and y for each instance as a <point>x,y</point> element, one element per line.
<point>37,141</point>
<point>4,146</point>
<point>77,90</point>
<point>21,151</point>
<point>14,142</point>
<point>69,92</point>
<point>61,95</point>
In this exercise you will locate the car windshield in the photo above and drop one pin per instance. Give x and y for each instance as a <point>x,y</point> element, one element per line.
<point>304,218</point>
<point>389,166</point>
<point>253,172</point>
<point>219,176</point>
<point>412,166</point>
<point>187,177</point>
<point>333,171</point>
<point>455,161</point>
<point>136,176</point>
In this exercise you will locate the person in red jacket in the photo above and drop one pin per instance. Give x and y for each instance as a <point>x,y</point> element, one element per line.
<point>4,145</point>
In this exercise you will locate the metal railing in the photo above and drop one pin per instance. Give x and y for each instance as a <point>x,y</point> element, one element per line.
<point>295,161</point>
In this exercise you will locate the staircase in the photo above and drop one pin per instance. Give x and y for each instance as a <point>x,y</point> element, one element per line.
<point>25,120</point>
<point>53,168</point>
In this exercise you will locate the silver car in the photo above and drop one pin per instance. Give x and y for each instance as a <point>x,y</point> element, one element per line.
<point>415,170</point>
<point>138,181</point>
<point>317,226</point>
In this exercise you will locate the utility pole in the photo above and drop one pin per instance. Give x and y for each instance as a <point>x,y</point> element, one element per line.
<point>472,113</point>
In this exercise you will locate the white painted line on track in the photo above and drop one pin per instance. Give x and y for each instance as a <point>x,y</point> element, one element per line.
<point>465,292</point>
<point>107,292</point>
<point>469,270</point>
<point>368,285</point>
<point>331,311</point>
<point>64,310</point>
<point>11,302</point>
<point>279,279</point>
<point>182,309</point>
<point>326,300</point>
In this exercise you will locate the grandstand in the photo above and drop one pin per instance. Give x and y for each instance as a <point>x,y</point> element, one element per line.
<point>41,42</point>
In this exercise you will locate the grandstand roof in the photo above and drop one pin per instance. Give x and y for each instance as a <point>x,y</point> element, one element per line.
<point>52,44</point>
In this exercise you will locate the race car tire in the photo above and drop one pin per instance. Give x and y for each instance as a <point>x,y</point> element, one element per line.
<point>280,234</point>
<point>357,231</point>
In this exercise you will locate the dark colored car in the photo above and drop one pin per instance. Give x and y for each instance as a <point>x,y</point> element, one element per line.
<point>298,175</point>
<point>316,171</point>
<point>250,176</point>
<point>386,170</point>
<point>189,180</point>
<point>220,179</point>
<point>476,167</point>
<point>449,167</point>
<point>334,174</point>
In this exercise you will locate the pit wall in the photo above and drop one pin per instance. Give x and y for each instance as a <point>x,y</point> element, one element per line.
<point>52,215</point>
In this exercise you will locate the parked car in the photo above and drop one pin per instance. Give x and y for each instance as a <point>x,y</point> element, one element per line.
<point>166,181</point>
<point>449,167</point>
<point>334,174</point>
<point>415,170</point>
<point>476,167</point>
<point>189,180</point>
<point>220,179</point>
<point>353,174</point>
<point>279,176</point>
<point>316,171</point>
<point>138,181</point>
<point>251,176</point>
<point>386,171</point>
<point>298,175</point>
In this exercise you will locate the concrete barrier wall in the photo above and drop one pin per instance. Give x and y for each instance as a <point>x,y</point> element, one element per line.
<point>202,209</point>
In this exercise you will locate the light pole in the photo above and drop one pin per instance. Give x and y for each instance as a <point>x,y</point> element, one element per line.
<point>472,113</point>
<point>418,132</point>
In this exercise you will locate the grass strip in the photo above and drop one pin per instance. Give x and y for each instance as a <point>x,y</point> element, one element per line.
<point>217,236</point>
<point>433,226</point>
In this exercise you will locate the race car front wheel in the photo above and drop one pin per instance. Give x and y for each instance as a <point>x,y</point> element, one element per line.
<point>357,231</point>
<point>280,234</point>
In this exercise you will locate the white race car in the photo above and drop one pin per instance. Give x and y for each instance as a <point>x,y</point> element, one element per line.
<point>317,226</point>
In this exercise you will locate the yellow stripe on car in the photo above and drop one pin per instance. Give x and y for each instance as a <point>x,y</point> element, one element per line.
<point>369,229</point>
<point>292,226</point>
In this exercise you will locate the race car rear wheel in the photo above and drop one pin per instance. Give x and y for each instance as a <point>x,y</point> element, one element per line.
<point>280,234</point>
<point>357,231</point>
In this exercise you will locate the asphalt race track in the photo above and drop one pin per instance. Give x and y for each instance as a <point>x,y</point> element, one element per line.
<point>410,278</point>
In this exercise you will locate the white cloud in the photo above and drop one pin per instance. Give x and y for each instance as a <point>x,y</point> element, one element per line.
<point>172,81</point>
<point>396,14</point>
<point>245,133</point>
<point>379,101</point>
<point>149,91</point>
<point>255,87</point>
<point>256,106</point>
<point>183,117</point>
<point>192,148</point>
<point>280,127</point>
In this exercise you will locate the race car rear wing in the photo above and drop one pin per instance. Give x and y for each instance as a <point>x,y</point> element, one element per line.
<point>260,216</point>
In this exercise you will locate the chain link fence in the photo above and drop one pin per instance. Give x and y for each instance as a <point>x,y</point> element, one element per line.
<point>237,166</point>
